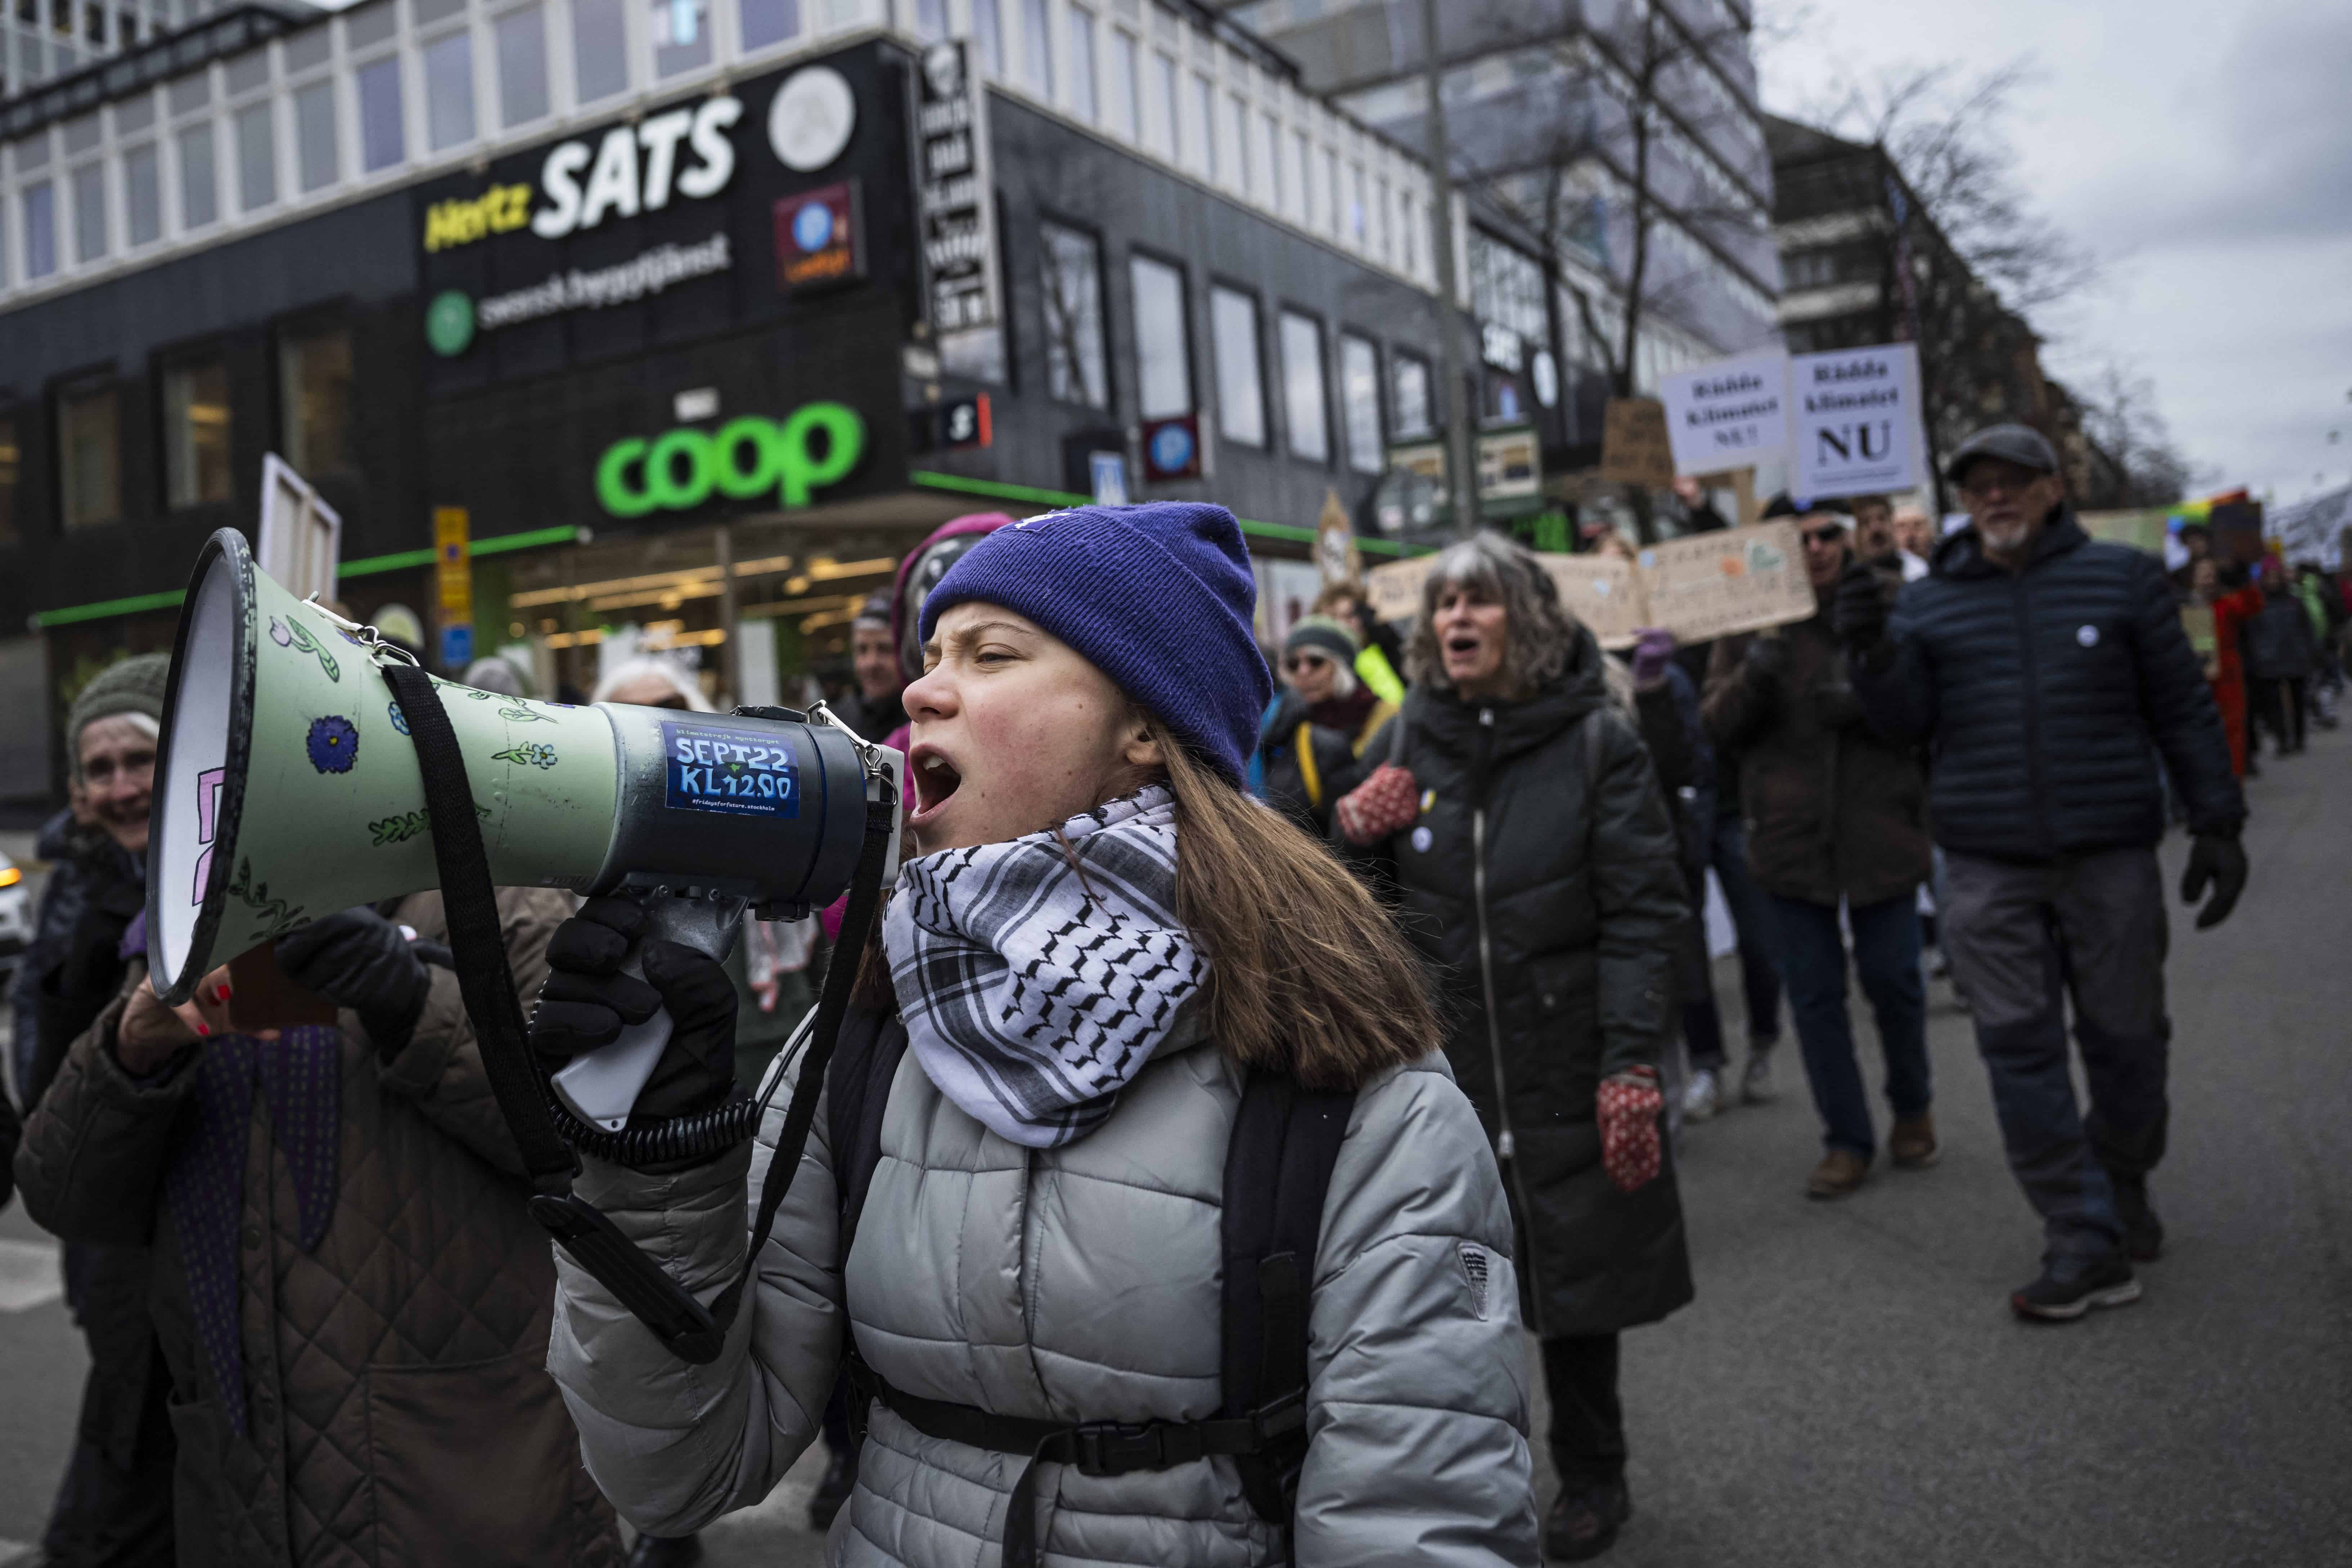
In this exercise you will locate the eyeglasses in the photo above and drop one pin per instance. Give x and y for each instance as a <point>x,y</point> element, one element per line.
<point>1302,661</point>
<point>1831,535</point>
<point>1985,483</point>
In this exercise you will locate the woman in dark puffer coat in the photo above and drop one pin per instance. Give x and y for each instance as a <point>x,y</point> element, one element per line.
<point>1537,868</point>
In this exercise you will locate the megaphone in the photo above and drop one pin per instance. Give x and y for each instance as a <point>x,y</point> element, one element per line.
<point>286,788</point>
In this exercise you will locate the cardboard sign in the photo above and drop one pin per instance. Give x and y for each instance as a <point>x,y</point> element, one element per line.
<point>1336,555</point>
<point>1855,422</point>
<point>1633,446</point>
<point>1727,415</point>
<point>1734,580</point>
<point>301,536</point>
<point>1704,587</point>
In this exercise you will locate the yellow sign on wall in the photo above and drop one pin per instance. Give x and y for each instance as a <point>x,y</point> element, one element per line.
<point>453,563</point>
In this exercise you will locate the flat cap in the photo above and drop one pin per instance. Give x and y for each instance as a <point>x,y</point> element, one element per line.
<point>2019,444</point>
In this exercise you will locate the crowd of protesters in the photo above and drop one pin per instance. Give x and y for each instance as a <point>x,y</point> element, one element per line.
<point>1471,921</point>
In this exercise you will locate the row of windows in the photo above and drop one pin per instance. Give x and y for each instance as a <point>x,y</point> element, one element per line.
<point>1077,359</point>
<point>394,81</point>
<point>195,426</point>
<point>43,39</point>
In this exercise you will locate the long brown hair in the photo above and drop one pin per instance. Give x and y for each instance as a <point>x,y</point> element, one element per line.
<point>1308,974</point>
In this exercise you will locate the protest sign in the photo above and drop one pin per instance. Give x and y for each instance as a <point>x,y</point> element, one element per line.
<point>1633,446</point>
<point>1728,414</point>
<point>1855,422</point>
<point>1733,580</point>
<point>1704,586</point>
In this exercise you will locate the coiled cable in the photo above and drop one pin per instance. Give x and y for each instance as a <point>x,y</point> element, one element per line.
<point>647,1142</point>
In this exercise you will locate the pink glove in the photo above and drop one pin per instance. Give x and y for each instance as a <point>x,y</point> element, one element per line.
<point>1629,1104</point>
<point>1384,804</point>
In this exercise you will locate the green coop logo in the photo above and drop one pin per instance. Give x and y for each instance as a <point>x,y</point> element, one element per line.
<point>449,323</point>
<point>817,445</point>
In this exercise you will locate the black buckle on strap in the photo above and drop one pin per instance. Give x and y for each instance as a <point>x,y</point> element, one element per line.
<point>1116,1448</point>
<point>1279,1418</point>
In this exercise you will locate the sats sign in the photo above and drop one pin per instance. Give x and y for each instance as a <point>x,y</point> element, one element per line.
<point>631,169</point>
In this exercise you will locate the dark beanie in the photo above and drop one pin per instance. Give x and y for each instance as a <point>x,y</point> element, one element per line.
<point>1159,598</point>
<point>133,685</point>
<point>1323,633</point>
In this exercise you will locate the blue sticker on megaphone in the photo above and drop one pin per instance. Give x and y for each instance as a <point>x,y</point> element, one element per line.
<point>716,767</point>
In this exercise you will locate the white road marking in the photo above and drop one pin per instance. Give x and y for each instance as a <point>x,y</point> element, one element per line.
<point>29,1277</point>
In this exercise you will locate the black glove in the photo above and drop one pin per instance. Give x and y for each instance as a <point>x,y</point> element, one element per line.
<point>1861,609</point>
<point>359,959</point>
<point>586,1000</point>
<point>2218,859</point>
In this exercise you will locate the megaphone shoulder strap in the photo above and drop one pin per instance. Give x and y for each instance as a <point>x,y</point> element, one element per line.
<point>476,941</point>
<point>690,1331</point>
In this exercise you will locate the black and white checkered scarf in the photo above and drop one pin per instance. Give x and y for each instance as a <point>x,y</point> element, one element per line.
<point>1037,976</point>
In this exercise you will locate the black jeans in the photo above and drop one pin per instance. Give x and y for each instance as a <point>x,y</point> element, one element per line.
<point>1760,982</point>
<point>1588,1423</point>
<point>2278,705</point>
<point>2024,940</point>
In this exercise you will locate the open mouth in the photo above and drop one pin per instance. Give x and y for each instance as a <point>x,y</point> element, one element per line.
<point>1462,645</point>
<point>935,779</point>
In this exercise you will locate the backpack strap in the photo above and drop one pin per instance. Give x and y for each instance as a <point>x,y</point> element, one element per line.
<point>864,1066</point>
<point>1278,1173</point>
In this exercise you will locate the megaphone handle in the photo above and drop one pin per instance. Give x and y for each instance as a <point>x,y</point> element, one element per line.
<point>601,1086</point>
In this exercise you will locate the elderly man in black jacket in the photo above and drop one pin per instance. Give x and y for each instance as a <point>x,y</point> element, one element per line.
<point>2048,672</point>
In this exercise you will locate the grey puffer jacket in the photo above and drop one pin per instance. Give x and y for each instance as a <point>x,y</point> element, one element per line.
<point>1077,1283</point>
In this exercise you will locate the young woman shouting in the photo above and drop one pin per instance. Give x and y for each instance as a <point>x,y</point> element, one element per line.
<point>1102,940</point>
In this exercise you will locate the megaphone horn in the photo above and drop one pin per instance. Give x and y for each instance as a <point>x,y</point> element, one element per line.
<point>286,788</point>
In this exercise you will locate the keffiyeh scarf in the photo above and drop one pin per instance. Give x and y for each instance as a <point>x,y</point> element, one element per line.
<point>1037,977</point>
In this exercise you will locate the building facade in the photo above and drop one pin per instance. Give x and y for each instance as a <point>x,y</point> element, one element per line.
<point>1865,263</point>
<point>1583,133</point>
<point>700,317</point>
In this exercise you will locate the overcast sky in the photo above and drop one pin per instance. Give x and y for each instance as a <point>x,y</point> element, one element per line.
<point>2204,152</point>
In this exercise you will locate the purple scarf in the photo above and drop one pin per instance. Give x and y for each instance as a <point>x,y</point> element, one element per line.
<point>204,1186</point>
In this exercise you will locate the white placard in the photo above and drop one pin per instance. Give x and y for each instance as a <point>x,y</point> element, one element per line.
<point>301,537</point>
<point>1732,413</point>
<point>1854,421</point>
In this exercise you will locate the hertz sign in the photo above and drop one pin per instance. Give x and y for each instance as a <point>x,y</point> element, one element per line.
<point>501,209</point>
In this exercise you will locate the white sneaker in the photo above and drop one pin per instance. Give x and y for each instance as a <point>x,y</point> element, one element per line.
<point>1702,1098</point>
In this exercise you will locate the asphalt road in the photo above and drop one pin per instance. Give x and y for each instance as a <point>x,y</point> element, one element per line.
<point>1850,1386</point>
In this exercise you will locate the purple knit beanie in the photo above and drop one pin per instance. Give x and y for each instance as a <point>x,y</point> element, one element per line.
<point>1158,596</point>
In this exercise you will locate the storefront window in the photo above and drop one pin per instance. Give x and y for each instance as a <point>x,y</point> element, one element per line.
<point>382,142</point>
<point>199,195</point>
<point>314,389</point>
<point>1303,405</point>
<point>1163,359</point>
<point>1409,382</point>
<point>769,22</point>
<point>257,159</point>
<point>522,65</point>
<point>1359,403</point>
<point>600,46</point>
<point>1241,377</point>
<point>89,454</point>
<point>1074,320</point>
<point>681,36</point>
<point>314,133</point>
<point>449,90</point>
<point>195,434</point>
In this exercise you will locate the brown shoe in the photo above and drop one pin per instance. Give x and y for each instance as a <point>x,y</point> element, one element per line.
<point>1840,1173</point>
<point>1912,1143</point>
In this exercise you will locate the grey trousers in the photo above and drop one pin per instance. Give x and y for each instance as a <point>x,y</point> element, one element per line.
<point>2023,939</point>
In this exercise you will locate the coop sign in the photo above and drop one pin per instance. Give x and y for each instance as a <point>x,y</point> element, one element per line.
<point>817,445</point>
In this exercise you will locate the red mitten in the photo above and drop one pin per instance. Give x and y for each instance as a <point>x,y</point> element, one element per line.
<point>1383,803</point>
<point>1629,1104</point>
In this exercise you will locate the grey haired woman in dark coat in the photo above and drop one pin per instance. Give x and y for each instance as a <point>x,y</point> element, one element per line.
<point>1535,868</point>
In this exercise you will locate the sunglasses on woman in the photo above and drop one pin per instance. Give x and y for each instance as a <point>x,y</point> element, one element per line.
<point>1298,661</point>
<point>1830,535</point>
